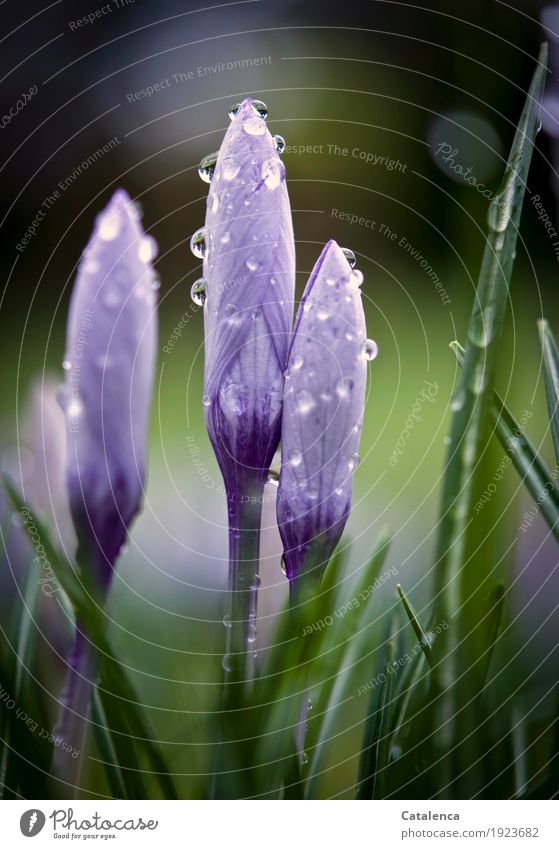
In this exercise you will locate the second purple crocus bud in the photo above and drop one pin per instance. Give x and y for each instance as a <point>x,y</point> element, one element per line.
<point>322,414</point>
<point>109,364</point>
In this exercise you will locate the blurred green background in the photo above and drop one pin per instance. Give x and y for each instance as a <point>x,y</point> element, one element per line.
<point>391,84</point>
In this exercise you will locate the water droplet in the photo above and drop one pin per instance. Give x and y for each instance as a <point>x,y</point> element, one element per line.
<point>307,305</point>
<point>227,621</point>
<point>297,361</point>
<point>312,493</point>
<point>206,400</point>
<point>156,283</point>
<point>304,759</point>
<point>251,263</point>
<point>255,314</point>
<point>232,111</point>
<point>305,401</point>
<point>273,477</point>
<point>229,309</point>
<point>350,256</point>
<point>234,397</point>
<point>251,636</point>
<point>147,249</point>
<point>500,208</point>
<point>74,409</point>
<point>339,492</point>
<point>344,387</point>
<point>447,440</point>
<point>198,243</point>
<point>458,401</point>
<point>356,278</point>
<point>109,226</point>
<point>225,237</point>
<point>227,662</point>
<point>260,108</point>
<point>66,365</point>
<point>254,126</point>
<point>330,281</point>
<point>309,706</point>
<point>370,349</point>
<point>354,461</point>
<point>206,167</point>
<point>283,567</point>
<point>323,314</point>
<point>89,265</point>
<point>295,457</point>
<point>230,168</point>
<point>279,142</point>
<point>326,395</point>
<point>198,292</point>
<point>348,335</point>
<point>272,172</point>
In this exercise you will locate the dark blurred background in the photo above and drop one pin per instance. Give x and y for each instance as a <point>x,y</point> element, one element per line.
<point>416,95</point>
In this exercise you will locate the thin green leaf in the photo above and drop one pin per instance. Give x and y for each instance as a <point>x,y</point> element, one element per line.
<point>473,399</point>
<point>121,788</point>
<point>422,637</point>
<point>346,642</point>
<point>89,611</point>
<point>551,376</point>
<point>534,472</point>
<point>375,751</point>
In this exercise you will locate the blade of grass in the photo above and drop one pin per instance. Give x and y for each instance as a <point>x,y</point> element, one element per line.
<point>551,378</point>
<point>532,469</point>
<point>422,638</point>
<point>375,752</point>
<point>88,610</point>
<point>472,401</point>
<point>120,787</point>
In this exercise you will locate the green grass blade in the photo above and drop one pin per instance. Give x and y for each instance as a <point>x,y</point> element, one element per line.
<point>375,752</point>
<point>88,610</point>
<point>551,376</point>
<point>422,637</point>
<point>532,469</point>
<point>472,401</point>
<point>131,786</point>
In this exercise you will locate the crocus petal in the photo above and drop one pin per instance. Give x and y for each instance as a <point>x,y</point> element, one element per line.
<point>109,362</point>
<point>322,412</point>
<point>249,269</point>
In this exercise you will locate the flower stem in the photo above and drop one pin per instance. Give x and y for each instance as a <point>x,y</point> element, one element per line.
<point>69,734</point>
<point>244,553</point>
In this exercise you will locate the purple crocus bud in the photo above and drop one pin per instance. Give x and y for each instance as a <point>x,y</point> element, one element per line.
<point>322,413</point>
<point>249,277</point>
<point>109,363</point>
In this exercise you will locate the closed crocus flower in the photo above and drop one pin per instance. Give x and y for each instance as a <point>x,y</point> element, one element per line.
<point>109,363</point>
<point>249,278</point>
<point>247,289</point>
<point>322,413</point>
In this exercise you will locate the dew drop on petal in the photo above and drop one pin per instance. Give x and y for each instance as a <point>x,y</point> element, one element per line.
<point>147,249</point>
<point>305,401</point>
<point>272,172</point>
<point>307,305</point>
<point>295,457</point>
<point>230,168</point>
<point>283,567</point>
<point>109,226</point>
<point>297,361</point>
<point>279,142</point>
<point>353,461</point>
<point>339,492</point>
<point>66,365</point>
<point>225,237</point>
<point>198,292</point>
<point>348,335</point>
<point>74,409</point>
<point>370,349</point>
<point>254,126</point>
<point>356,278</point>
<point>198,243</point>
<point>260,107</point>
<point>350,256</point>
<point>206,167</point>
<point>344,387</point>
<point>206,400</point>
<point>233,110</point>
<point>251,263</point>
<point>330,281</point>
<point>323,314</point>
